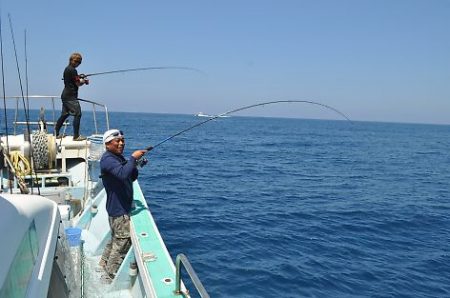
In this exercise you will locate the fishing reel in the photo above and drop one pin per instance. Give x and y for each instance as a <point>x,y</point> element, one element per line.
<point>83,79</point>
<point>141,162</point>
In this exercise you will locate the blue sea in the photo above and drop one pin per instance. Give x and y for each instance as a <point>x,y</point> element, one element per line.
<point>273,207</point>
<point>276,207</point>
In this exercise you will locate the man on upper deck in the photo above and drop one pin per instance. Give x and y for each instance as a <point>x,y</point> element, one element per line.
<point>69,97</point>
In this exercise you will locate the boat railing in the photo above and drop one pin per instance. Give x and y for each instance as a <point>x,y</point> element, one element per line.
<point>31,102</point>
<point>183,260</point>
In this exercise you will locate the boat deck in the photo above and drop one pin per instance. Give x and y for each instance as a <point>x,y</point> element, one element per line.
<point>151,250</point>
<point>155,265</point>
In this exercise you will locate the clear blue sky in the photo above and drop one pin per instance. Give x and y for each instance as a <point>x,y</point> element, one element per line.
<point>380,60</point>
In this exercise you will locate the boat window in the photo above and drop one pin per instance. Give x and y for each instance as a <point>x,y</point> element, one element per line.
<point>16,282</point>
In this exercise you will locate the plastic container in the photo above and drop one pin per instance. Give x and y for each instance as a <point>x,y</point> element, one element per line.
<point>73,236</point>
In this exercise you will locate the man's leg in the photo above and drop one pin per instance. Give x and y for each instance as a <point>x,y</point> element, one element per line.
<point>60,122</point>
<point>121,243</point>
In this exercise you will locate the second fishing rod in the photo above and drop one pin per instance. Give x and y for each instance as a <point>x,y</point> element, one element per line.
<point>149,148</point>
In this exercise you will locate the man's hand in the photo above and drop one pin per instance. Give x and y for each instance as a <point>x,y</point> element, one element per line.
<point>83,79</point>
<point>138,154</point>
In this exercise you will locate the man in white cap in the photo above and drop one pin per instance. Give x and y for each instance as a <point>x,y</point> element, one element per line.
<point>117,175</point>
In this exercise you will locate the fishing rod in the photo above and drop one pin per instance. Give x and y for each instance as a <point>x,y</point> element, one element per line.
<point>142,69</point>
<point>26,70</point>
<point>246,108</point>
<point>25,106</point>
<point>4,150</point>
<point>85,100</point>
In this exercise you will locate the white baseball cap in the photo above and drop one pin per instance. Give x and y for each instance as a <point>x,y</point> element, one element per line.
<point>111,135</point>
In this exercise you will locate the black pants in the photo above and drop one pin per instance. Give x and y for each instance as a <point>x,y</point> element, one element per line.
<point>70,107</point>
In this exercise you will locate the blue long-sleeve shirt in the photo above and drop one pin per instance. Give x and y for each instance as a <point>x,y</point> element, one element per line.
<point>118,175</point>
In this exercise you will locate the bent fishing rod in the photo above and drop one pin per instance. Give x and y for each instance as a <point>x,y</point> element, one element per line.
<point>246,108</point>
<point>142,69</point>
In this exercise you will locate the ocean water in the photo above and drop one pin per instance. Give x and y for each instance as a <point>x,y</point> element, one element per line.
<point>269,207</point>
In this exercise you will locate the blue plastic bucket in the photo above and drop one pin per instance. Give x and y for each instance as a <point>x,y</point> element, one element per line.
<point>73,236</point>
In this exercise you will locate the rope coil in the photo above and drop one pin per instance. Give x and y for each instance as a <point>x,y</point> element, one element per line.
<point>20,163</point>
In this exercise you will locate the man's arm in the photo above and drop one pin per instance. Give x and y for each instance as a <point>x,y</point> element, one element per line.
<point>117,168</point>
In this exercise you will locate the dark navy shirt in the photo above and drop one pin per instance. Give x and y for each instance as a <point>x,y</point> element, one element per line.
<point>118,175</point>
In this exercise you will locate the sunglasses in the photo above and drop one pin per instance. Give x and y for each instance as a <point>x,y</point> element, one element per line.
<point>117,134</point>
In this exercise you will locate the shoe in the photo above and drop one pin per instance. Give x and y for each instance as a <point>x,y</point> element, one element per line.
<point>107,278</point>
<point>79,138</point>
<point>60,136</point>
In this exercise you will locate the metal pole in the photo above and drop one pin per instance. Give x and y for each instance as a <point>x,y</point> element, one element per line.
<point>182,259</point>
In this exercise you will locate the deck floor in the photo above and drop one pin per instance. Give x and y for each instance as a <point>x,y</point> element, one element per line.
<point>93,286</point>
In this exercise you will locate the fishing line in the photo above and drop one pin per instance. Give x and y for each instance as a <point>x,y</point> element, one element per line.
<point>246,108</point>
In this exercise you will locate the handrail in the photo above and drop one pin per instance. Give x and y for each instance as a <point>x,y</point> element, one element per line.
<point>52,100</point>
<point>182,259</point>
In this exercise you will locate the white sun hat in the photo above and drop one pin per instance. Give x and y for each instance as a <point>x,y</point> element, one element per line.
<point>111,135</point>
